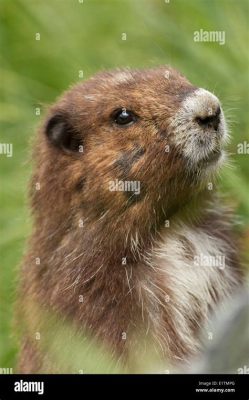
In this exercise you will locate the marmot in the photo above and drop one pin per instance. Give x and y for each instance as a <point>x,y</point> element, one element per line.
<point>126,217</point>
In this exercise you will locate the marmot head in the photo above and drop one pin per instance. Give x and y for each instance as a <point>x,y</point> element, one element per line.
<point>131,142</point>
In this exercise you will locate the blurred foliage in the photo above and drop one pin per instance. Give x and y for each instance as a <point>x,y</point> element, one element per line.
<point>87,36</point>
<point>227,349</point>
<point>82,352</point>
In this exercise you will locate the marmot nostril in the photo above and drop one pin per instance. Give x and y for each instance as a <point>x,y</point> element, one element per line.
<point>210,120</point>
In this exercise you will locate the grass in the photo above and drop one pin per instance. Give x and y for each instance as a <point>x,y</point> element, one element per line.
<point>87,36</point>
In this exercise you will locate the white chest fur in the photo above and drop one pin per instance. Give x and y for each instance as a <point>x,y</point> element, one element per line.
<point>196,272</point>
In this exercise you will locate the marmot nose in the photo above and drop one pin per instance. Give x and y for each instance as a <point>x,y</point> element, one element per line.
<point>210,119</point>
<point>204,109</point>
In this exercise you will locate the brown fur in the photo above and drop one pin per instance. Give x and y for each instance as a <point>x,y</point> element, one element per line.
<point>87,260</point>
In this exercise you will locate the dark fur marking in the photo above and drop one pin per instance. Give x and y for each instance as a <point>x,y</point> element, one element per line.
<point>80,184</point>
<point>133,198</point>
<point>186,92</point>
<point>128,158</point>
<point>188,248</point>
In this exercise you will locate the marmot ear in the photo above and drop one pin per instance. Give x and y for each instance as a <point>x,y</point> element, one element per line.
<point>61,134</point>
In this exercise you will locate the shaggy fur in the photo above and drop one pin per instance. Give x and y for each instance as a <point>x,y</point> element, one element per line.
<point>132,257</point>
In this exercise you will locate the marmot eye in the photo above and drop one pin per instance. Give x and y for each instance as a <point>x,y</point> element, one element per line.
<point>124,117</point>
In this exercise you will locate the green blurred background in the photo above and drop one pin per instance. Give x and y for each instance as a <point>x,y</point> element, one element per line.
<point>86,36</point>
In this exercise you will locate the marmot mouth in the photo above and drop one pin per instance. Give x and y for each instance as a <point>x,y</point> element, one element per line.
<point>211,158</point>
